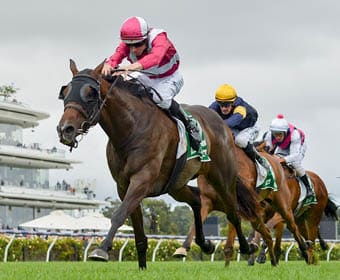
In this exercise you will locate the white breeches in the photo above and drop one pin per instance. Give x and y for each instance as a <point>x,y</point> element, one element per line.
<point>167,87</point>
<point>296,163</point>
<point>245,136</point>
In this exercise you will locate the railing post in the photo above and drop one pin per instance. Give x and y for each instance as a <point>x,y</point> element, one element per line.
<point>329,252</point>
<point>87,248</point>
<point>155,250</point>
<point>288,251</point>
<point>120,258</point>
<point>213,254</point>
<point>7,247</point>
<point>50,248</point>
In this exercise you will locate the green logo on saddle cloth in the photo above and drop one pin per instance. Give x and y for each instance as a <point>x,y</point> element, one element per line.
<point>311,199</point>
<point>269,181</point>
<point>203,150</point>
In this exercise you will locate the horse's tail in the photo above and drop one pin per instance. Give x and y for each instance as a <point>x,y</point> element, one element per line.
<point>247,201</point>
<point>331,208</point>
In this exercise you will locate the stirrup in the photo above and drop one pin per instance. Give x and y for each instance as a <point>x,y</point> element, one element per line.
<point>194,143</point>
<point>263,162</point>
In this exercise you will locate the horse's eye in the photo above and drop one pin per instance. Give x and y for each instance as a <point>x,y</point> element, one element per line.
<point>64,91</point>
<point>88,93</point>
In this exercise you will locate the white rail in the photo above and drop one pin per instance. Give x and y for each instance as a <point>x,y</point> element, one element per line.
<point>15,233</point>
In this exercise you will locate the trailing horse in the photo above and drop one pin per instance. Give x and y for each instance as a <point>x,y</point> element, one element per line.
<point>309,221</point>
<point>141,153</point>
<point>271,200</point>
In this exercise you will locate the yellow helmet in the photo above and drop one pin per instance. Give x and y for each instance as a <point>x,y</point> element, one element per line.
<point>225,93</point>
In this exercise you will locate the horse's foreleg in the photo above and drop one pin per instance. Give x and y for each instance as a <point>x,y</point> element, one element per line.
<point>229,246</point>
<point>279,227</point>
<point>323,243</point>
<point>206,245</point>
<point>191,196</point>
<point>291,225</point>
<point>131,201</point>
<point>235,221</point>
<point>206,208</point>
<point>259,226</point>
<point>254,238</point>
<point>140,237</point>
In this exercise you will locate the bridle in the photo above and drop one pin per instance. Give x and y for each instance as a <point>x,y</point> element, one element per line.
<point>89,105</point>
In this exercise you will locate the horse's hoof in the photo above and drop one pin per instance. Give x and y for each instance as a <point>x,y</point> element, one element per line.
<point>261,259</point>
<point>273,262</point>
<point>180,253</point>
<point>251,260</point>
<point>309,244</point>
<point>208,247</point>
<point>99,255</point>
<point>253,248</point>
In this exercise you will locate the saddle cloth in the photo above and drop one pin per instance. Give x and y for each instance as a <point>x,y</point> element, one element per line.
<point>184,143</point>
<point>265,179</point>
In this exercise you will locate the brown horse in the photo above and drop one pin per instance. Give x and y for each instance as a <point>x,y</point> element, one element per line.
<point>272,201</point>
<point>141,153</point>
<point>308,222</point>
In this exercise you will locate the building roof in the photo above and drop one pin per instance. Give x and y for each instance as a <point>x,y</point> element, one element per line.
<point>16,113</point>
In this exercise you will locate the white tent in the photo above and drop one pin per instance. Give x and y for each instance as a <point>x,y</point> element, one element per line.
<point>125,228</point>
<point>97,222</point>
<point>94,221</point>
<point>55,220</point>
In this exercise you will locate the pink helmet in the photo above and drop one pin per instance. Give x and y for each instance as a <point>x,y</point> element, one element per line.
<point>134,30</point>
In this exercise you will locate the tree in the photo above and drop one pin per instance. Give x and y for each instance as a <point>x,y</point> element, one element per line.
<point>156,216</point>
<point>108,210</point>
<point>181,219</point>
<point>8,90</point>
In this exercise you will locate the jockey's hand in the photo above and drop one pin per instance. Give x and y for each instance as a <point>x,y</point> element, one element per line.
<point>282,160</point>
<point>121,71</point>
<point>107,69</point>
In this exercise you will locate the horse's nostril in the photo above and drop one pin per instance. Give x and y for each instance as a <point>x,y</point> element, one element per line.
<point>69,129</point>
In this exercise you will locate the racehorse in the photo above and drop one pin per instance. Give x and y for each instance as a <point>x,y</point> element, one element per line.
<point>308,222</point>
<point>272,201</point>
<point>141,154</point>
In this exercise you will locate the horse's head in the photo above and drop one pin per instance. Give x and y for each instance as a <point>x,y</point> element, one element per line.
<point>82,103</point>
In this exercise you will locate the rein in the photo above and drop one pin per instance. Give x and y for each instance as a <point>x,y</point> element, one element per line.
<point>93,119</point>
<point>86,107</point>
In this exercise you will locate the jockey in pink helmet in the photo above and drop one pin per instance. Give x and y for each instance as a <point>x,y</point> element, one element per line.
<point>287,141</point>
<point>150,49</point>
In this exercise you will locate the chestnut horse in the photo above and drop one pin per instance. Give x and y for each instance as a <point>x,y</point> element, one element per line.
<point>141,154</point>
<point>271,200</point>
<point>309,221</point>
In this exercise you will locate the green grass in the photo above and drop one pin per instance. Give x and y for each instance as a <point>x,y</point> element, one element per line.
<point>292,270</point>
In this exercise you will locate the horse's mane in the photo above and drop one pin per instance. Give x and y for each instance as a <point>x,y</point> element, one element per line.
<point>133,86</point>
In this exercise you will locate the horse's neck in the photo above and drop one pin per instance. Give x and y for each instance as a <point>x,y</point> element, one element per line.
<point>120,114</point>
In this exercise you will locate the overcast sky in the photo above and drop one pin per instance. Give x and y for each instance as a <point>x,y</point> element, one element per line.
<point>281,57</point>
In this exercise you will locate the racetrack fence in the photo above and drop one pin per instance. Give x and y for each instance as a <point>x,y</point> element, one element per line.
<point>19,245</point>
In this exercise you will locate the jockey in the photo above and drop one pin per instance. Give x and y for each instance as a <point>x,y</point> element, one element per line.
<point>286,140</point>
<point>241,118</point>
<point>150,49</point>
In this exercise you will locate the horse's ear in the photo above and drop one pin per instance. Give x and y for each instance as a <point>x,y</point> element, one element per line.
<point>73,67</point>
<point>99,68</point>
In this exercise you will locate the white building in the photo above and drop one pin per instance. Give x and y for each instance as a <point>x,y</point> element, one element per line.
<point>25,190</point>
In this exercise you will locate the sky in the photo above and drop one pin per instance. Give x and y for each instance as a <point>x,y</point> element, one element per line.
<point>280,56</point>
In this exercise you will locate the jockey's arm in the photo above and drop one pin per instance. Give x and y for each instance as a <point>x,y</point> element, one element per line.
<point>294,148</point>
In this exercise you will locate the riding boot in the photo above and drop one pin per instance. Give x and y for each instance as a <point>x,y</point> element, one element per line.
<point>177,111</point>
<point>252,153</point>
<point>309,190</point>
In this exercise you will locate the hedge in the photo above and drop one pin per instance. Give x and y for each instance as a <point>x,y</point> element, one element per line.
<point>34,248</point>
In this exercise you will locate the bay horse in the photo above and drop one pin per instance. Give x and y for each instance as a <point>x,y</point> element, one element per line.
<point>141,154</point>
<point>272,201</point>
<point>309,221</point>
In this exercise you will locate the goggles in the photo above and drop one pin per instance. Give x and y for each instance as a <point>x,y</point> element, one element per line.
<point>224,103</point>
<point>136,45</point>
